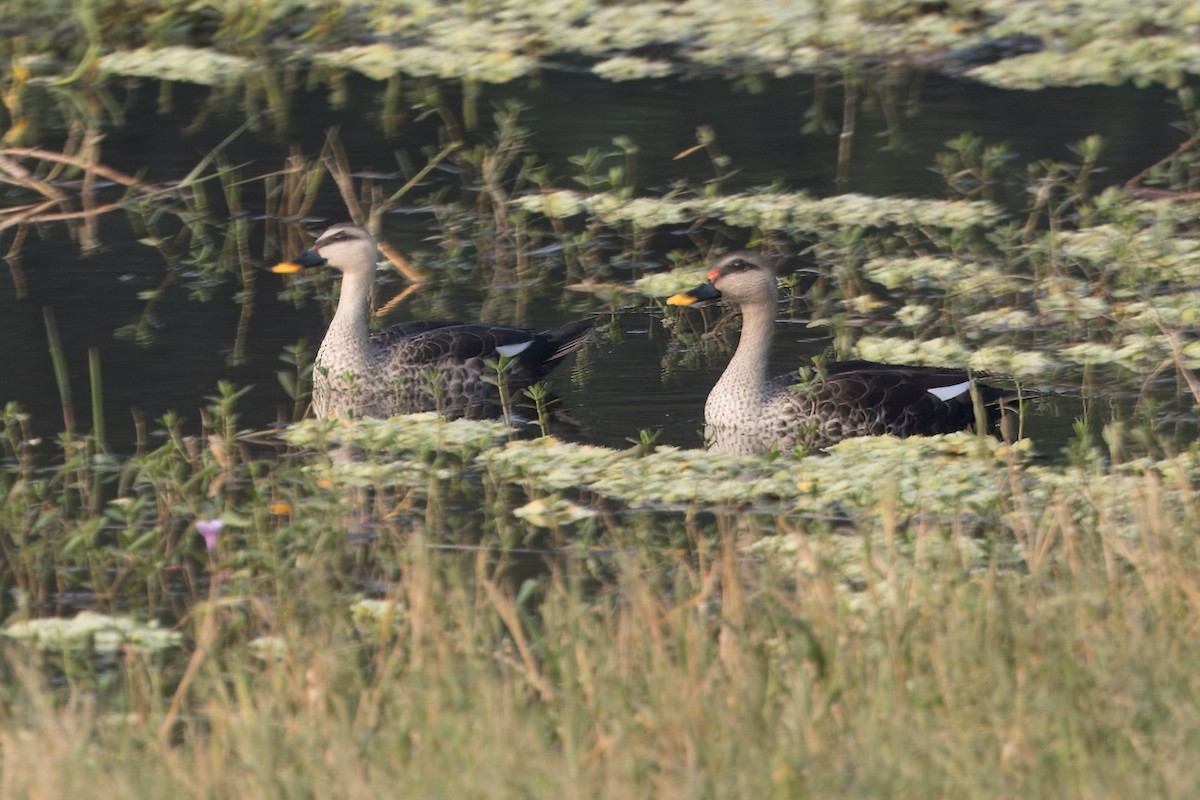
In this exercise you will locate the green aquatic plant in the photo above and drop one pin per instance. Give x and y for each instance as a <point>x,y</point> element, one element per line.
<point>407,452</point>
<point>91,633</point>
<point>1144,60</point>
<point>632,68</point>
<point>973,169</point>
<point>475,55</point>
<point>553,513</point>
<point>665,284</point>
<point>177,63</point>
<point>1100,42</point>
<point>297,381</point>
<point>785,212</point>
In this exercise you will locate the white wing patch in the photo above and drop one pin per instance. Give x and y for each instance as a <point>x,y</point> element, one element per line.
<point>510,350</point>
<point>944,393</point>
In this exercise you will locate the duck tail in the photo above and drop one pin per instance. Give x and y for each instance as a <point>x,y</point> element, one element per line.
<point>566,339</point>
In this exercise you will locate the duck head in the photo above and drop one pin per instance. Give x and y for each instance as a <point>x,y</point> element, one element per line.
<point>740,278</point>
<point>346,247</point>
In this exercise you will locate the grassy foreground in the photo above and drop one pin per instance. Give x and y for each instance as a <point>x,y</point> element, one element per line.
<point>727,650</point>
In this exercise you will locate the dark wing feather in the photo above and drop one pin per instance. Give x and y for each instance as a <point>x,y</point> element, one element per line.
<point>568,338</point>
<point>898,398</point>
<point>876,384</point>
<point>430,342</point>
<point>405,330</point>
<point>457,344</point>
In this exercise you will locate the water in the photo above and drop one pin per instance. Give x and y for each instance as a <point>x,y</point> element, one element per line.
<point>623,386</point>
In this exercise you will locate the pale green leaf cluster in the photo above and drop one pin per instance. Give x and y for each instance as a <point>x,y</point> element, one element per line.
<point>382,61</point>
<point>203,66</point>
<point>918,272</point>
<point>632,68</point>
<point>664,284</point>
<point>416,433</point>
<point>372,617</point>
<point>551,513</point>
<point>91,633</point>
<point>768,210</point>
<point>998,359</point>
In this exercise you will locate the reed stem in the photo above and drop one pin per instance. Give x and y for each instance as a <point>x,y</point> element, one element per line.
<point>61,376</point>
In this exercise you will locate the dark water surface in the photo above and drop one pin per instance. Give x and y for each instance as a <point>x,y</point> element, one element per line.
<point>623,384</point>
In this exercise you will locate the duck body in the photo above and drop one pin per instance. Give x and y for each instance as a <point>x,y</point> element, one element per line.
<point>428,365</point>
<point>746,412</point>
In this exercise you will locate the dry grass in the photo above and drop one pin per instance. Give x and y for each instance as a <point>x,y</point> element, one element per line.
<point>701,674</point>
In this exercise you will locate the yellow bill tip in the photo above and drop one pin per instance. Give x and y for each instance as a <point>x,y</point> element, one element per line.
<point>681,299</point>
<point>287,267</point>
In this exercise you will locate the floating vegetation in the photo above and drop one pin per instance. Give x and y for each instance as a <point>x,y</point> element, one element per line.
<point>631,68</point>
<point>946,352</point>
<point>664,284</point>
<point>789,212</point>
<point>90,633</point>
<point>1150,251</point>
<point>382,61</point>
<point>551,513</point>
<point>415,433</point>
<point>668,476</point>
<point>922,272</point>
<point>177,63</point>
<point>913,315</point>
<point>1016,44</point>
<point>959,479</point>
<point>1142,60</point>
<point>396,453</point>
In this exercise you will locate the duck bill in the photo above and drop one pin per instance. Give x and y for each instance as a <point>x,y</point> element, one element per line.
<point>309,258</point>
<point>705,291</point>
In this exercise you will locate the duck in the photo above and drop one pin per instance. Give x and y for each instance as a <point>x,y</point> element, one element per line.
<point>445,366</point>
<point>815,408</point>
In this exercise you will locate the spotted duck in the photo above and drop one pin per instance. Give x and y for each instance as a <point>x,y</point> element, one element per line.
<point>746,413</point>
<point>426,365</point>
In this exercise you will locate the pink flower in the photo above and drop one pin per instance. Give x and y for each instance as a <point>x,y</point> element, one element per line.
<point>210,529</point>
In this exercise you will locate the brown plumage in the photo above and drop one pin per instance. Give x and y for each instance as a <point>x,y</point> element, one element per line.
<point>428,365</point>
<point>746,412</point>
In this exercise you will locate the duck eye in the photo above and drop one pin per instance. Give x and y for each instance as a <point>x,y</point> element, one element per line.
<point>336,237</point>
<point>739,265</point>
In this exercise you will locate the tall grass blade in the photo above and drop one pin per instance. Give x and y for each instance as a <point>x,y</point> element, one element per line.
<point>61,376</point>
<point>97,385</point>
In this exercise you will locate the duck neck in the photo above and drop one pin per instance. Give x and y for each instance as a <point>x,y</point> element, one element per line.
<point>746,374</point>
<point>348,329</point>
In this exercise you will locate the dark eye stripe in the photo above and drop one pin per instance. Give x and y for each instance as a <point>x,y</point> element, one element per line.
<point>738,265</point>
<point>338,236</point>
